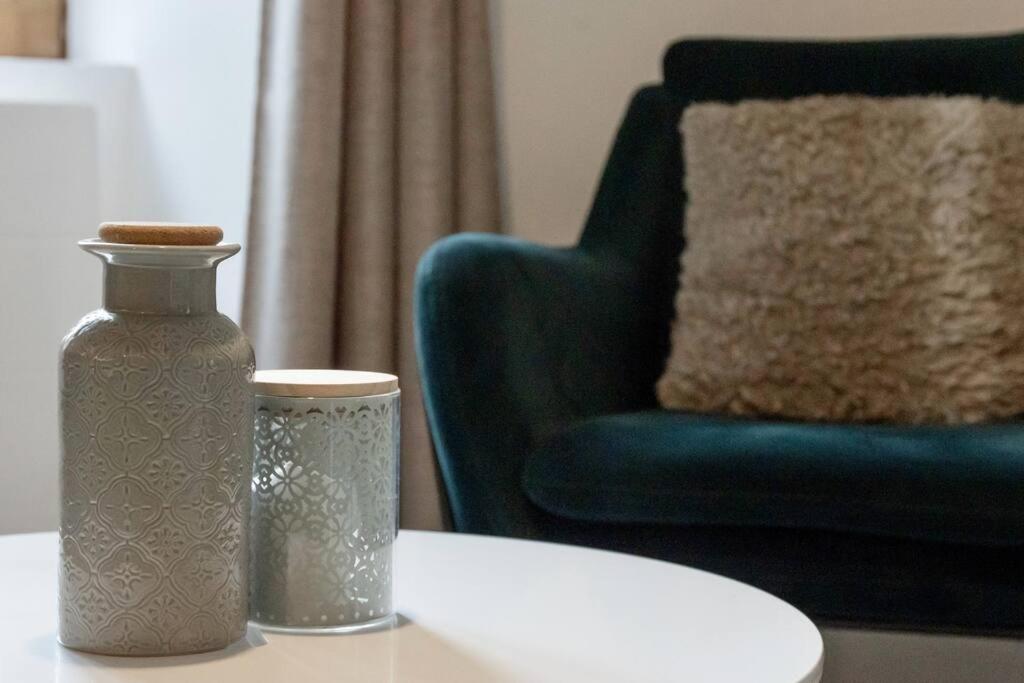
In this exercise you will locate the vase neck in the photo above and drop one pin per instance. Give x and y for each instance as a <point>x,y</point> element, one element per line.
<point>167,291</point>
<point>164,279</point>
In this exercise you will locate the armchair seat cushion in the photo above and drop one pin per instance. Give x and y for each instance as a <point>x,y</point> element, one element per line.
<point>947,483</point>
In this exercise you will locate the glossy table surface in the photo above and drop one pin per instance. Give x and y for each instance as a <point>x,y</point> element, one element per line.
<point>471,608</point>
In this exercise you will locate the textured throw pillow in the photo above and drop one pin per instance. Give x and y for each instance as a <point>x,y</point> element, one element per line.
<point>852,259</point>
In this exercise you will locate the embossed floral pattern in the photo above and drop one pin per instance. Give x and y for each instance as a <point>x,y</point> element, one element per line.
<point>325,486</point>
<point>156,432</point>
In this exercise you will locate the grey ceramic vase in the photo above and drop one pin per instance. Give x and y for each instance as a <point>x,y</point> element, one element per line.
<point>156,423</point>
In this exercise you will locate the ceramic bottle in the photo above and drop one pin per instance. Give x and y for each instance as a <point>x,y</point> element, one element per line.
<point>156,412</point>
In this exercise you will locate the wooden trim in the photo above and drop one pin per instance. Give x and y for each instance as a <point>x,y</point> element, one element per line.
<point>32,28</point>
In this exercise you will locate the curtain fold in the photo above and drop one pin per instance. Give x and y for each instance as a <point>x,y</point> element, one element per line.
<point>375,138</point>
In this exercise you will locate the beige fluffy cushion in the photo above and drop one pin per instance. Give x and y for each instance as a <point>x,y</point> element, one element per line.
<point>852,259</point>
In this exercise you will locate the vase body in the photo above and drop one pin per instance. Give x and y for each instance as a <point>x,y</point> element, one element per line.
<point>156,426</point>
<point>324,512</point>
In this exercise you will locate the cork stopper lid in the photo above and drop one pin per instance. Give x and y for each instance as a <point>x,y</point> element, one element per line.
<point>323,383</point>
<point>165,234</point>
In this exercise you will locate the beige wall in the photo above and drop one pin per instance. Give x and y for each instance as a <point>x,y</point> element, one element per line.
<point>566,68</point>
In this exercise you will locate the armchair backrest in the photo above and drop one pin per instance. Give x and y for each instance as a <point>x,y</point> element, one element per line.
<point>730,70</point>
<point>638,211</point>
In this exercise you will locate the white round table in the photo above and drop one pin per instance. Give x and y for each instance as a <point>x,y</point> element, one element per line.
<point>471,608</point>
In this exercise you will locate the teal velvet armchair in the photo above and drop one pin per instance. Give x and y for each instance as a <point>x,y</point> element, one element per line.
<point>538,367</point>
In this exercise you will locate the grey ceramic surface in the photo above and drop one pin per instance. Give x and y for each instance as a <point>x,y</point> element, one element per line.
<point>325,511</point>
<point>156,423</point>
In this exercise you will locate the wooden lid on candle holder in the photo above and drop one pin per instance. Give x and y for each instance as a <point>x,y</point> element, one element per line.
<point>165,234</point>
<point>323,383</point>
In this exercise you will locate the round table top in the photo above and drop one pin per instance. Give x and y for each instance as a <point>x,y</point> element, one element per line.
<point>471,608</point>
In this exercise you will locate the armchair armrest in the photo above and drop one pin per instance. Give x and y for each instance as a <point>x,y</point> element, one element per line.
<point>515,342</point>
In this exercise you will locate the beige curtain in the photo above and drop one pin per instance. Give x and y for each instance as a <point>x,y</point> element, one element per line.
<point>375,137</point>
